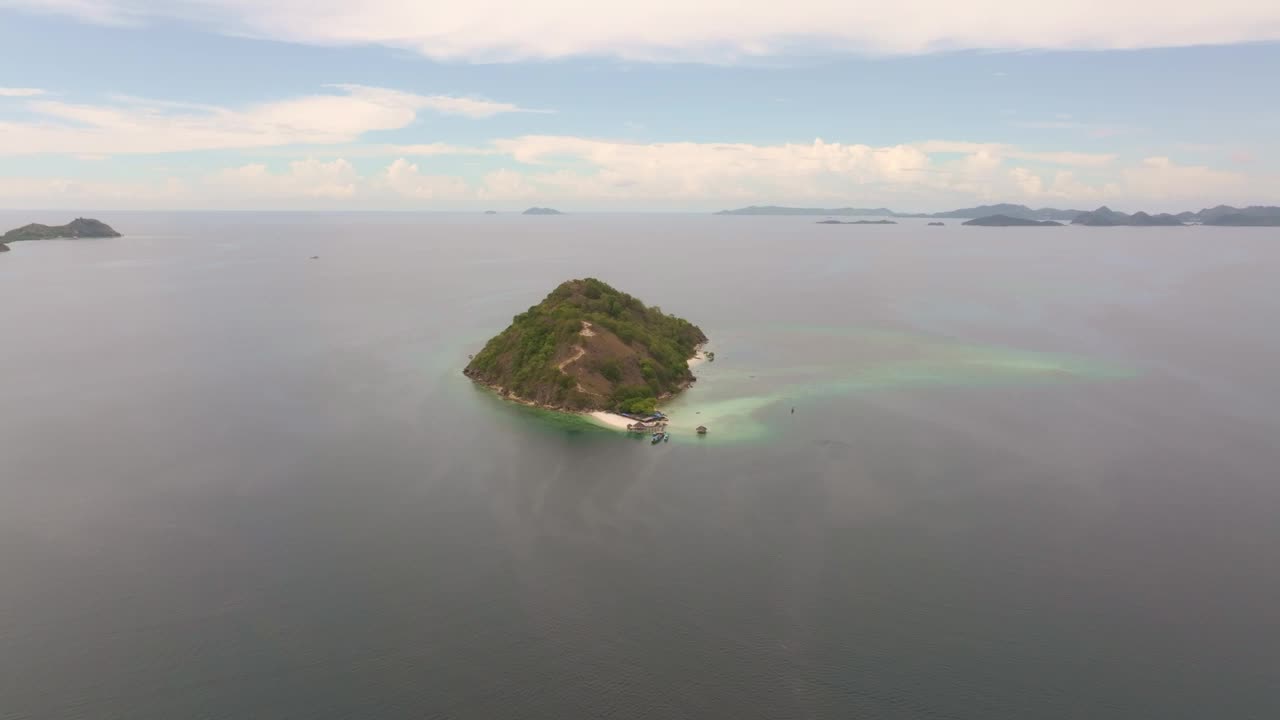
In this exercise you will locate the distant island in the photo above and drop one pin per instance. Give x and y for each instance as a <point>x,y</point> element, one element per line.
<point>1009,221</point>
<point>856,222</point>
<point>78,228</point>
<point>490,212</point>
<point>541,211</point>
<point>1020,211</point>
<point>589,347</point>
<point>1225,215</point>
<point>1014,211</point>
<point>1244,219</point>
<point>937,224</point>
<point>780,210</point>
<point>1106,217</point>
<point>1222,215</point>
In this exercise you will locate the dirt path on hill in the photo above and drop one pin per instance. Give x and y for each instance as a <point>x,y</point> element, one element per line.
<point>577,355</point>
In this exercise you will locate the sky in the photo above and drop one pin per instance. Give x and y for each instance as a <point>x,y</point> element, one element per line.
<point>917,105</point>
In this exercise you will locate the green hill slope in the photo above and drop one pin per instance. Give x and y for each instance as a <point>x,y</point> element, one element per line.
<point>588,346</point>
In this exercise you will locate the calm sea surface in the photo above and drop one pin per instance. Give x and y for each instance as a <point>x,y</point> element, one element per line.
<point>1031,474</point>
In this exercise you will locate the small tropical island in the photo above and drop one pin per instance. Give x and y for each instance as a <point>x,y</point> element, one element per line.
<point>1010,221</point>
<point>589,348</point>
<point>856,222</point>
<point>78,228</point>
<point>541,211</point>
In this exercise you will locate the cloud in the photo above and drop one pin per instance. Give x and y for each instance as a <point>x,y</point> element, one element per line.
<point>403,178</point>
<point>586,173</point>
<point>309,178</point>
<point>40,192</point>
<point>139,125</point>
<point>473,107</point>
<point>506,184</point>
<point>709,30</point>
<point>20,92</point>
<point>429,149</point>
<point>1162,180</point>
<point>1001,150</point>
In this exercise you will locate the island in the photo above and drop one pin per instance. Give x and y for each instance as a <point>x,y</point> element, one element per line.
<point>490,212</point>
<point>1222,215</point>
<point>856,222</point>
<point>541,211</point>
<point>1252,216</point>
<point>78,228</point>
<point>936,224</point>
<point>782,210</point>
<point>1244,220</point>
<point>1106,217</point>
<point>1018,211</point>
<point>1010,210</point>
<point>588,347</point>
<point>1009,221</point>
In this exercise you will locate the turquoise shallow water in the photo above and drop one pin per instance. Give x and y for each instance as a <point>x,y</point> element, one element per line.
<point>1029,475</point>
<point>747,402</point>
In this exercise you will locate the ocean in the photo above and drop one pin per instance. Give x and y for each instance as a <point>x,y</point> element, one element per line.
<point>1030,473</point>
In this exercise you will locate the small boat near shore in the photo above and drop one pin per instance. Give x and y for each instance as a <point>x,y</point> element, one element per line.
<point>658,437</point>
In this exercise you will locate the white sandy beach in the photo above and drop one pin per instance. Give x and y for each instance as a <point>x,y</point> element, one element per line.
<point>616,422</point>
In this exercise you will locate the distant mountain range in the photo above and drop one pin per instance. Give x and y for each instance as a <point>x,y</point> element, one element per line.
<point>1224,215</point>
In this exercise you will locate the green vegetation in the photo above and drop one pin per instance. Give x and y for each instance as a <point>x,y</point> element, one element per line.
<point>78,228</point>
<point>588,346</point>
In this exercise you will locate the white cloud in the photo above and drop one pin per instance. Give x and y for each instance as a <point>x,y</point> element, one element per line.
<point>429,149</point>
<point>689,173</point>
<point>584,173</point>
<point>20,92</point>
<point>37,192</point>
<point>403,178</point>
<point>1001,150</point>
<point>473,107</point>
<point>1165,181</point>
<point>716,30</point>
<point>506,184</point>
<point>139,125</point>
<point>309,178</point>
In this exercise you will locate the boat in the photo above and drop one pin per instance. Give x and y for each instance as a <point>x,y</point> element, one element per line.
<point>657,438</point>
